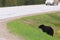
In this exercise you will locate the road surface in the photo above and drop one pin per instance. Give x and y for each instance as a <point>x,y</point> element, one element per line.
<point>7,12</point>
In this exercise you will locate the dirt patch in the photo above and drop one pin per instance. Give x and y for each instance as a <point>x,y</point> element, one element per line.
<point>4,32</point>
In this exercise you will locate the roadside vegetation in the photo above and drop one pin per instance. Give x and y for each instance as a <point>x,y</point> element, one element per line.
<point>28,26</point>
<point>5,3</point>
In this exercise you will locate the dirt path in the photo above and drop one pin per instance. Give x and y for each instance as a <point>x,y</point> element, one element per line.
<point>4,33</point>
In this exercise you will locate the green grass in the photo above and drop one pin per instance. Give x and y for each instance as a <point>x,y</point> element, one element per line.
<point>28,26</point>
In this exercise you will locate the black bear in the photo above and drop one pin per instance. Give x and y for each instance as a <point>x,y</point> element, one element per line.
<point>47,29</point>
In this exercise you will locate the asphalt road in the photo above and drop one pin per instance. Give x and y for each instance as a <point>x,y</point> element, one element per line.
<point>7,12</point>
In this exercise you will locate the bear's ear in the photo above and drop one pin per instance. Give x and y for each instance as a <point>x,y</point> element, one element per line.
<point>41,26</point>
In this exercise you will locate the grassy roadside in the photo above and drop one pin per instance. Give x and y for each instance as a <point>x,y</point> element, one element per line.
<point>28,26</point>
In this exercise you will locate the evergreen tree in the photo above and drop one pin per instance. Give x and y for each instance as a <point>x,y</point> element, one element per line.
<point>20,2</point>
<point>10,2</point>
<point>1,3</point>
<point>28,2</point>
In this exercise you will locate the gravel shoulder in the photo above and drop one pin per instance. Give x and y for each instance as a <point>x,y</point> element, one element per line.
<point>4,32</point>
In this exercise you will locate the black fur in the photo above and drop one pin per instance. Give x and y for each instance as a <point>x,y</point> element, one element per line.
<point>47,29</point>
